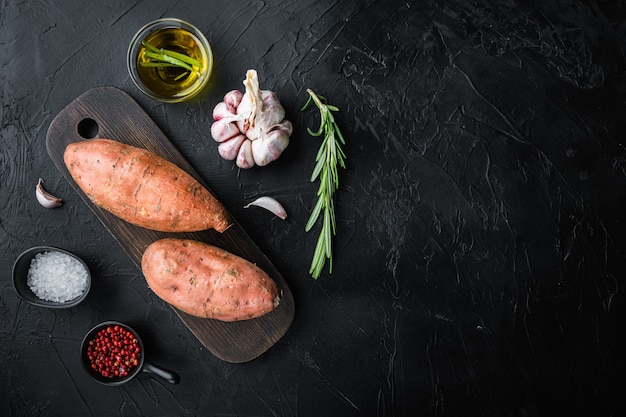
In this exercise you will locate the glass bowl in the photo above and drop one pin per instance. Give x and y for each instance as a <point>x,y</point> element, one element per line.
<point>163,78</point>
<point>22,266</point>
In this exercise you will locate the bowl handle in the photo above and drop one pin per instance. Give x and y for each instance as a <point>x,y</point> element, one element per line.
<point>165,374</point>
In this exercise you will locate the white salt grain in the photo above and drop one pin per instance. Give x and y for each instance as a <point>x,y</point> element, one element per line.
<point>57,276</point>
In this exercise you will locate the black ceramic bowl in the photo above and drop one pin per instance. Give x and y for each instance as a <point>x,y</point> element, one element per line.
<point>143,365</point>
<point>20,275</point>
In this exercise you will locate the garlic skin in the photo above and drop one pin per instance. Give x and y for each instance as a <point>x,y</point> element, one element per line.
<point>46,199</point>
<point>251,127</point>
<point>270,204</point>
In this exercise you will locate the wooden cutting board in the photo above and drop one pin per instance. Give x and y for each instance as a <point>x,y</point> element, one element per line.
<point>111,113</point>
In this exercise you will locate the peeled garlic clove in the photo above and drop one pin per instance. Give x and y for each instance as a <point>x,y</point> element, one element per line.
<point>270,204</point>
<point>46,199</point>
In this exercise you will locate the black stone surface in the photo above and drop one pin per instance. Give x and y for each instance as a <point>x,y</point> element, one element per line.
<point>479,263</point>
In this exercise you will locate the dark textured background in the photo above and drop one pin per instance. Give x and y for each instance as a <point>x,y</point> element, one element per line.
<point>479,263</point>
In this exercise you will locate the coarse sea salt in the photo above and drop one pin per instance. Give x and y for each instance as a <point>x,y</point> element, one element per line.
<point>57,276</point>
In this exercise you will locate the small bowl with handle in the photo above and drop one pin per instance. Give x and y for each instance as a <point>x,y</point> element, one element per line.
<point>143,365</point>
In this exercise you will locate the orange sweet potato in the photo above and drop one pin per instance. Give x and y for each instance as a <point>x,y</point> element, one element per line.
<point>143,188</point>
<point>206,281</point>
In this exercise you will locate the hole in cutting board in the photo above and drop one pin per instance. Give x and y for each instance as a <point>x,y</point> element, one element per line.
<point>88,128</point>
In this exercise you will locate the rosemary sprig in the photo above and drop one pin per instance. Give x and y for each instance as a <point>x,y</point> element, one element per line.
<point>329,157</point>
<point>159,57</point>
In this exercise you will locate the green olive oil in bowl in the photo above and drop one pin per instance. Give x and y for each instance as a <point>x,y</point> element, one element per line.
<point>170,60</point>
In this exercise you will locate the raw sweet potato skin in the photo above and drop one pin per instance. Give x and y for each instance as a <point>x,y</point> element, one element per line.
<point>206,281</point>
<point>142,188</point>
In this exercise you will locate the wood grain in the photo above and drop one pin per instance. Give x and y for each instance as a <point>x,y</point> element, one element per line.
<point>119,117</point>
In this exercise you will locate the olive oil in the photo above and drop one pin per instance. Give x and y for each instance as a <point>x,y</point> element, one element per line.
<point>171,82</point>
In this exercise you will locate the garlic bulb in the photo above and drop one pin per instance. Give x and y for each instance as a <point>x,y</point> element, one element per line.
<point>251,127</point>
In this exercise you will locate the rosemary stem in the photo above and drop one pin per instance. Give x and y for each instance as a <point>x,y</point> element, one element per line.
<point>328,157</point>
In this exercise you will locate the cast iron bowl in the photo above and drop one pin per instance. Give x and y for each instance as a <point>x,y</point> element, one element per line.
<point>144,365</point>
<point>20,274</point>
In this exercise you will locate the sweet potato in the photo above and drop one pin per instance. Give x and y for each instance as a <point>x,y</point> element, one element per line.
<point>206,281</point>
<point>143,188</point>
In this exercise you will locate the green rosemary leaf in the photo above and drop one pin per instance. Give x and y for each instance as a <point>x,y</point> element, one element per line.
<point>321,152</point>
<point>320,130</point>
<point>168,59</point>
<point>165,58</point>
<point>338,132</point>
<point>182,57</point>
<point>327,228</point>
<point>149,46</point>
<point>315,214</point>
<point>318,257</point>
<point>181,75</point>
<point>318,168</point>
<point>306,105</point>
<point>156,64</point>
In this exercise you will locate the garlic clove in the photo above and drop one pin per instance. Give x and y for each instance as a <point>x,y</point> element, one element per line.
<point>46,199</point>
<point>221,111</point>
<point>270,204</point>
<point>245,159</point>
<point>232,100</point>
<point>224,129</point>
<point>270,147</point>
<point>230,148</point>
